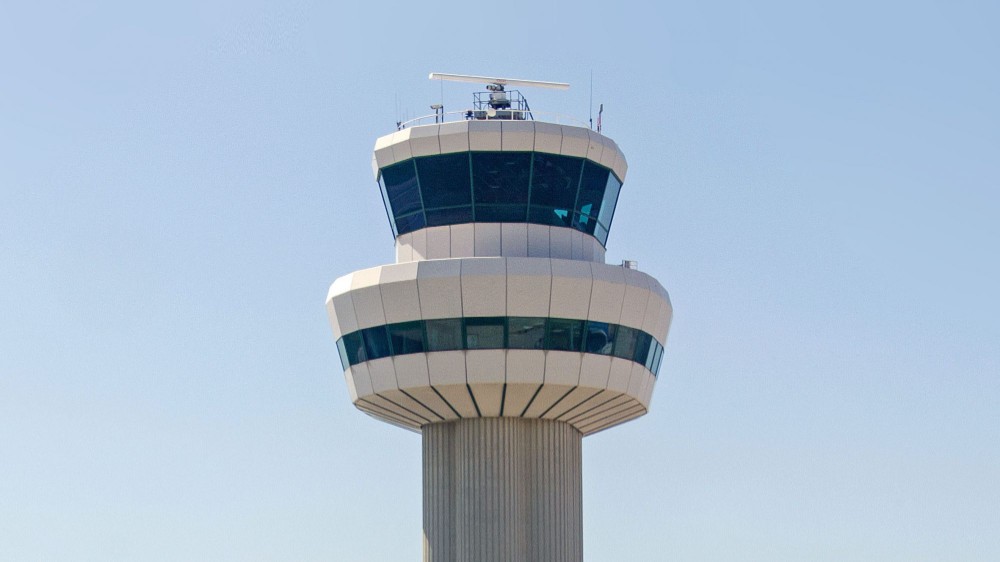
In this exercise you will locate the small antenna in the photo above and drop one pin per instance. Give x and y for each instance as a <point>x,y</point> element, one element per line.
<point>592,103</point>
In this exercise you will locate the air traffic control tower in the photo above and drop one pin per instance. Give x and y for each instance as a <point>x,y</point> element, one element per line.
<point>500,335</point>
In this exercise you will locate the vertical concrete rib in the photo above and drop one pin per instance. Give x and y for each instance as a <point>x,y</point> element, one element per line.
<point>502,490</point>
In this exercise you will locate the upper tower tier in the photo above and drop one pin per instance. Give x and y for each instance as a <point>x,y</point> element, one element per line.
<point>510,171</point>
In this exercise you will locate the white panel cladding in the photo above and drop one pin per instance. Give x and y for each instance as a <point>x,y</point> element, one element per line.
<point>588,248</point>
<point>562,367</point>
<point>488,242</point>
<point>610,153</point>
<point>367,298</point>
<point>383,374</point>
<point>433,402</point>
<point>484,135</point>
<point>571,286</point>
<point>517,136</point>
<point>400,299</point>
<point>653,307</point>
<point>525,373</point>
<point>598,252</point>
<point>401,145</point>
<point>621,372</point>
<point>529,281</point>
<point>424,140</point>
<point>351,390</point>
<point>447,374</point>
<point>621,166</point>
<point>404,248</point>
<point>411,370</point>
<point>569,402</point>
<point>485,369</point>
<point>596,146</point>
<point>576,244</point>
<point>374,167</point>
<point>546,397</point>
<point>548,137</point>
<point>538,241</point>
<point>484,287</point>
<point>446,367</point>
<point>419,244</point>
<point>514,239</point>
<point>454,137</point>
<point>607,293</point>
<point>509,239</point>
<point>636,381</point>
<point>383,151</point>
<point>409,404</point>
<point>525,366</point>
<point>560,244</point>
<point>575,141</point>
<point>362,380</point>
<point>594,370</point>
<point>440,288</point>
<point>647,390</point>
<point>463,240</point>
<point>340,307</point>
<point>383,409</point>
<point>666,313</point>
<point>636,297</point>
<point>438,242</point>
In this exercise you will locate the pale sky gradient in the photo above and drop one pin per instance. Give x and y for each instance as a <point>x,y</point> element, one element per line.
<point>817,188</point>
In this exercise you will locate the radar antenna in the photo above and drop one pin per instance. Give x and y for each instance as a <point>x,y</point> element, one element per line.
<point>498,103</point>
<point>498,82</point>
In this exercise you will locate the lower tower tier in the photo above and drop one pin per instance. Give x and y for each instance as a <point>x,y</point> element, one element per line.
<point>502,490</point>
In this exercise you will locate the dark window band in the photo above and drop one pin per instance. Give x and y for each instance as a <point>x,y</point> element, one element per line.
<point>533,187</point>
<point>501,332</point>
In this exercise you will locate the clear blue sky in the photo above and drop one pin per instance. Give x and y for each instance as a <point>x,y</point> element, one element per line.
<point>817,187</point>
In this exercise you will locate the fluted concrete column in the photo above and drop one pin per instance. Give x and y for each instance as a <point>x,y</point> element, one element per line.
<point>502,490</point>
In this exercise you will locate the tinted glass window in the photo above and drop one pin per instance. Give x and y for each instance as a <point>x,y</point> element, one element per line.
<point>342,350</point>
<point>400,182</point>
<point>406,337</point>
<point>592,184</point>
<point>601,234</point>
<point>500,177</point>
<point>454,215</point>
<point>643,346</point>
<point>607,210</point>
<point>500,333</point>
<point>484,333</point>
<point>388,208</point>
<point>584,223</point>
<point>554,180</point>
<point>376,342</point>
<point>525,333</point>
<point>410,223</point>
<point>444,335</point>
<point>625,342</point>
<point>501,213</point>
<point>600,336</point>
<point>550,216</point>
<point>354,347</point>
<point>444,180</point>
<point>656,359</point>
<point>564,335</point>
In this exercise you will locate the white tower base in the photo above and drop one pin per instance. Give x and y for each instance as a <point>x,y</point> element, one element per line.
<point>502,489</point>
